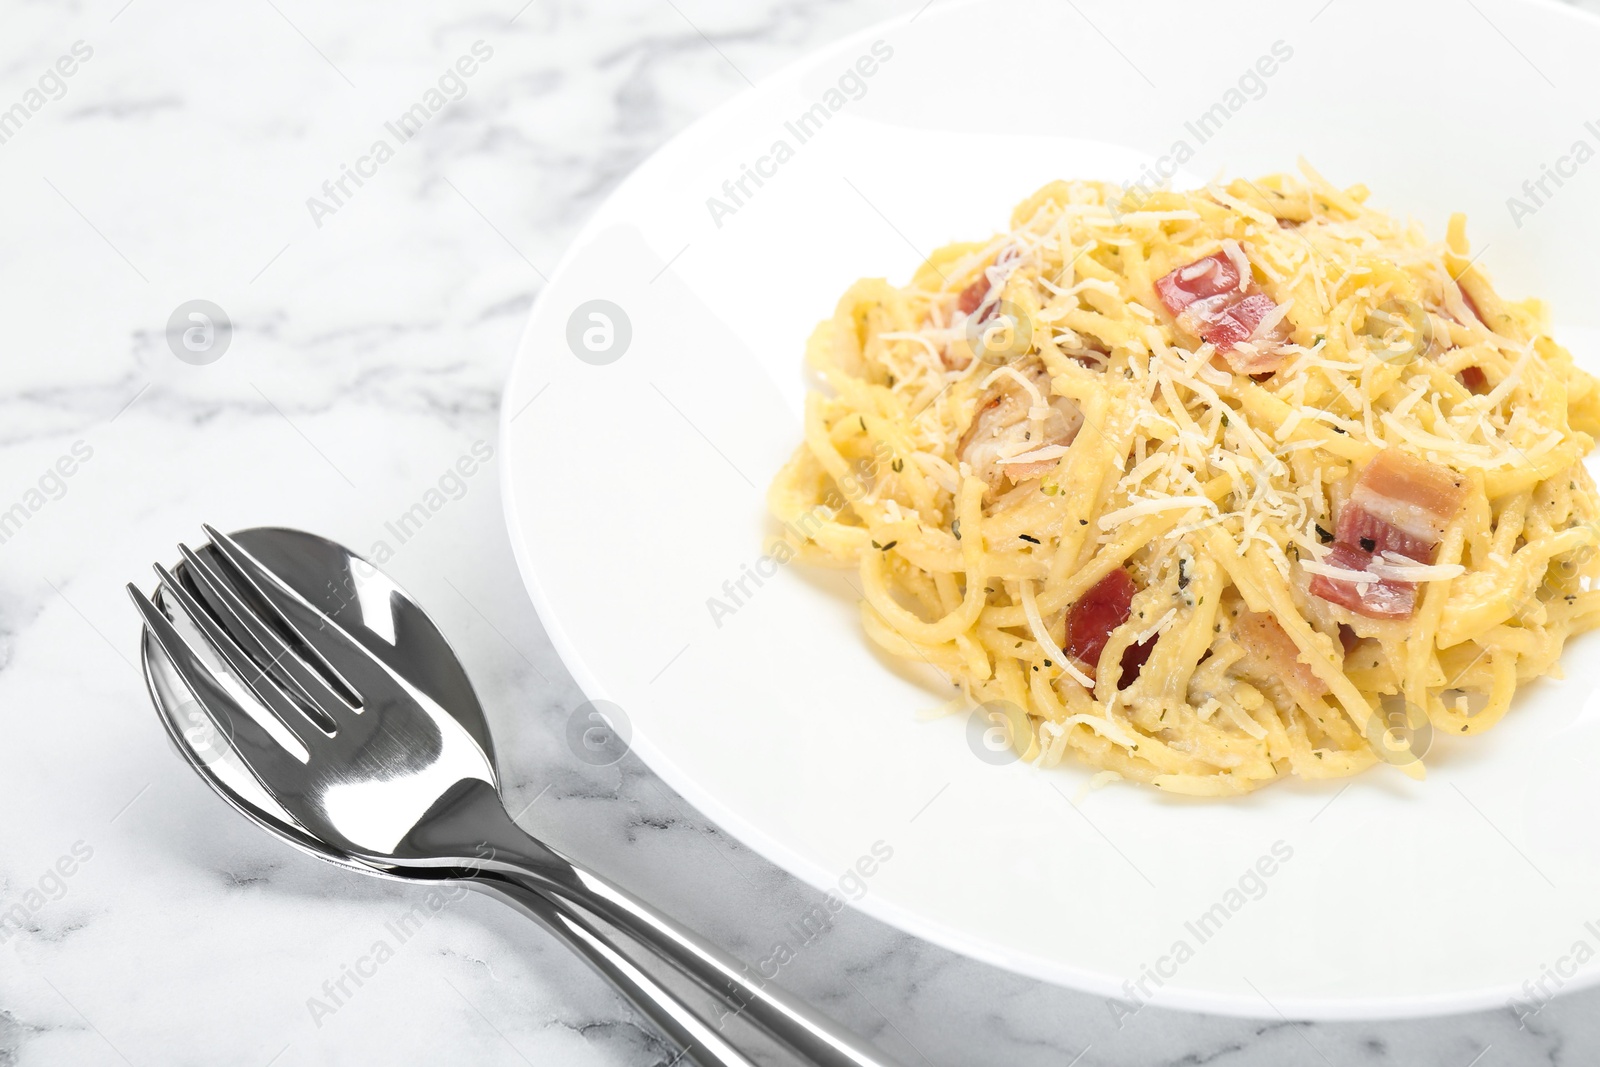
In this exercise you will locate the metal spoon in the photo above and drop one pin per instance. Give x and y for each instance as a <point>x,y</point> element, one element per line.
<point>306,561</point>
<point>315,638</point>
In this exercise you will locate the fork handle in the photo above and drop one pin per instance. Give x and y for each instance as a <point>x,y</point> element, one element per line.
<point>699,1041</point>
<point>816,1038</point>
<point>473,822</point>
<point>469,829</point>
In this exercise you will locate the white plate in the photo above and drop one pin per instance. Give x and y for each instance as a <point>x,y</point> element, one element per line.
<point>635,491</point>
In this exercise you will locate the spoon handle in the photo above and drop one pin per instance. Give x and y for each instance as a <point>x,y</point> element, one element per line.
<point>474,823</point>
<point>785,1018</point>
<point>699,1041</point>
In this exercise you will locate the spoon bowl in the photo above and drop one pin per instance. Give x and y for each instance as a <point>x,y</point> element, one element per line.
<point>330,577</point>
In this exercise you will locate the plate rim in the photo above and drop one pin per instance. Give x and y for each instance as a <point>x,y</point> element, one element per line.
<point>1173,996</point>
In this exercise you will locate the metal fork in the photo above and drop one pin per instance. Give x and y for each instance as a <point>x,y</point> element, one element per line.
<point>377,770</point>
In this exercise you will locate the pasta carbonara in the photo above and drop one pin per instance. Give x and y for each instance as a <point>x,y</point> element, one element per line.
<point>1207,488</point>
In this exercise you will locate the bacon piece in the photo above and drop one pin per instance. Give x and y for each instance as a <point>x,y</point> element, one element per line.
<point>1204,279</point>
<point>1361,529</point>
<point>1347,638</point>
<point>968,301</point>
<point>1133,661</point>
<point>1271,653</point>
<point>1094,615</point>
<point>972,296</point>
<point>1384,598</point>
<point>1402,504</point>
<point>1228,325</point>
<point>1475,380</point>
<point>1249,313</point>
<point>1002,428</point>
<point>1212,300</point>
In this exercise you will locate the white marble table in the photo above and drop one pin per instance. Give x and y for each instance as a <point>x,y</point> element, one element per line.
<point>372,330</point>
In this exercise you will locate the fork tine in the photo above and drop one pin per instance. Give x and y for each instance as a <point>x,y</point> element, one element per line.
<point>324,637</point>
<point>260,752</point>
<point>247,670</point>
<point>316,630</point>
<point>260,640</point>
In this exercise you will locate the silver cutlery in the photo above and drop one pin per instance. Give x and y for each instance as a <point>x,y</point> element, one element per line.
<point>326,706</point>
